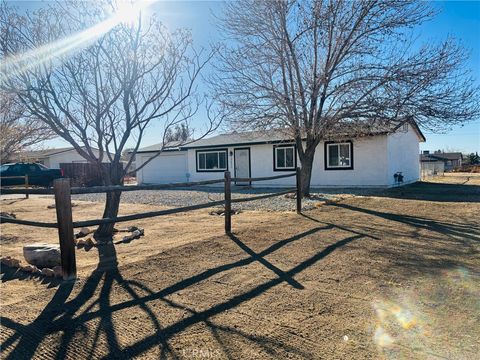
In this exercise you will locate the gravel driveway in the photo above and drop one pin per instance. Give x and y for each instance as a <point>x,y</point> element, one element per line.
<point>199,195</point>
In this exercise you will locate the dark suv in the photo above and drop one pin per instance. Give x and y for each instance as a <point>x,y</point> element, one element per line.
<point>38,174</point>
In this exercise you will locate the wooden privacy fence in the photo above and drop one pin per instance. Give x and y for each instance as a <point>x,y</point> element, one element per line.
<point>86,174</point>
<point>24,177</point>
<point>65,224</point>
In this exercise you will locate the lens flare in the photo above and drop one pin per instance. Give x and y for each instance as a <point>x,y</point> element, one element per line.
<point>17,64</point>
<point>382,338</point>
<point>437,317</point>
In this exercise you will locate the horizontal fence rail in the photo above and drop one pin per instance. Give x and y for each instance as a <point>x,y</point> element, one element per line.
<point>9,220</point>
<point>65,224</point>
<point>100,189</point>
<point>122,188</point>
<point>86,223</point>
<point>260,197</point>
<point>263,178</point>
<point>26,192</point>
<point>145,215</point>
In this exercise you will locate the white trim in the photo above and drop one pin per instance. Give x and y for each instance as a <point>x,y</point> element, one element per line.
<point>292,147</point>
<point>349,155</point>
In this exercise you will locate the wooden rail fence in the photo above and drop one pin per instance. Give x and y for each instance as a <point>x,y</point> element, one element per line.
<point>25,177</point>
<point>65,224</point>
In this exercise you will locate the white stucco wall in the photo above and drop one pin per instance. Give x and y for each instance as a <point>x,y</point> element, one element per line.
<point>369,166</point>
<point>375,160</point>
<point>54,161</point>
<point>403,156</point>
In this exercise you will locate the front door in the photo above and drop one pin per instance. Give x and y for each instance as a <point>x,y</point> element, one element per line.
<point>242,165</point>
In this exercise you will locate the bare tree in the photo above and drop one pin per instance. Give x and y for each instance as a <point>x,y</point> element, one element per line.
<point>18,131</point>
<point>180,133</point>
<point>99,81</point>
<point>312,67</point>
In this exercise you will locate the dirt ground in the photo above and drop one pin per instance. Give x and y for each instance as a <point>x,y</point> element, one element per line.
<point>391,276</point>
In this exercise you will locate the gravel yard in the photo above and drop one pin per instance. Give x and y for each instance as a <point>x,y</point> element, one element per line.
<point>191,196</point>
<point>426,190</point>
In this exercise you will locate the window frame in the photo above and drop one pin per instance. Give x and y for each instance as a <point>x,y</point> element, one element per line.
<point>275,147</point>
<point>197,160</point>
<point>326,150</point>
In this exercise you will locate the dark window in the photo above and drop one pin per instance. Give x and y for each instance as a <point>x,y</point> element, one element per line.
<point>212,160</point>
<point>32,168</point>
<point>285,158</point>
<point>222,160</point>
<point>18,168</point>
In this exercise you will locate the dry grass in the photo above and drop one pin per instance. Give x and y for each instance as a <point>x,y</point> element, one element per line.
<point>366,277</point>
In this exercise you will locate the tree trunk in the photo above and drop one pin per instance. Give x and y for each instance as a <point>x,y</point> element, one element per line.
<point>306,171</point>
<point>112,176</point>
<point>105,231</point>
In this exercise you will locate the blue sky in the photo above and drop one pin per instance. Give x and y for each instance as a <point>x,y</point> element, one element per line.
<point>460,19</point>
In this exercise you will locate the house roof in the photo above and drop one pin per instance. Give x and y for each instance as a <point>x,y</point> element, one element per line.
<point>275,136</point>
<point>44,153</point>
<point>441,156</point>
<point>170,146</point>
<point>40,154</point>
<point>240,138</point>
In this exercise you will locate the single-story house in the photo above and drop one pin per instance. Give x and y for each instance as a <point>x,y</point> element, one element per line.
<point>370,160</point>
<point>450,160</point>
<point>52,158</point>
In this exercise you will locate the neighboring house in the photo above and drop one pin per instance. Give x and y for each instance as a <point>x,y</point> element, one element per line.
<point>368,161</point>
<point>52,158</point>
<point>450,161</point>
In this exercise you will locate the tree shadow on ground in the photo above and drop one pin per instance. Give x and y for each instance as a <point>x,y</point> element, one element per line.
<point>10,273</point>
<point>71,317</point>
<point>442,245</point>
<point>431,191</point>
<point>459,231</point>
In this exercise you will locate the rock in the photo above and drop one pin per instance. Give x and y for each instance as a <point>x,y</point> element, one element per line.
<point>83,232</point>
<point>10,262</point>
<point>27,268</point>
<point>8,215</point>
<point>48,272</point>
<point>89,242</point>
<point>42,255</point>
<point>57,271</point>
<point>134,235</point>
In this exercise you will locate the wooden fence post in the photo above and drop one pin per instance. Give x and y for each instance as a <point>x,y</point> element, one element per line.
<point>299,191</point>
<point>228,203</point>
<point>63,205</point>
<point>26,186</point>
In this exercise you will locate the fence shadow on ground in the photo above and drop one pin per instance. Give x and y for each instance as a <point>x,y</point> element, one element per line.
<point>70,317</point>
